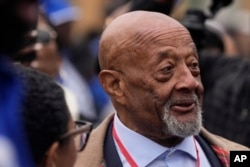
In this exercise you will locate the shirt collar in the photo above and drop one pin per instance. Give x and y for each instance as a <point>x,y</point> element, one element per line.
<point>139,146</point>
<point>188,146</point>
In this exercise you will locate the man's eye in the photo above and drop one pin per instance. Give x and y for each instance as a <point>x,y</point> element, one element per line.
<point>168,69</point>
<point>195,69</point>
<point>195,65</point>
<point>164,73</point>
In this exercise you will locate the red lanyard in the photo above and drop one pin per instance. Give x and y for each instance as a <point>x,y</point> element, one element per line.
<point>128,157</point>
<point>123,149</point>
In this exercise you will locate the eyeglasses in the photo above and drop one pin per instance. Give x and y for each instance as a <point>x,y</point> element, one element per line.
<point>81,134</point>
<point>35,40</point>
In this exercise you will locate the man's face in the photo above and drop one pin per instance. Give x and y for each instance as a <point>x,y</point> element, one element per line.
<point>18,17</point>
<point>163,86</point>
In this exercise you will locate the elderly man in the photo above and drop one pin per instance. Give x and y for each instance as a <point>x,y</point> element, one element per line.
<point>150,69</point>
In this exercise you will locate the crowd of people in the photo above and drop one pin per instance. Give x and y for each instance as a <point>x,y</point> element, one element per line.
<point>151,94</point>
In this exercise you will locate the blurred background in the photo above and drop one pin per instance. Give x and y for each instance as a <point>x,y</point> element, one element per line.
<point>67,48</point>
<point>234,18</point>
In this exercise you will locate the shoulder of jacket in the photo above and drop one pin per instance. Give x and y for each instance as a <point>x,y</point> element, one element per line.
<point>92,155</point>
<point>222,142</point>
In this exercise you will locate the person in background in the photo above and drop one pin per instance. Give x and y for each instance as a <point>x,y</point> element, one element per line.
<point>84,58</point>
<point>53,136</point>
<point>17,33</point>
<point>61,14</point>
<point>150,69</point>
<point>18,19</point>
<point>47,58</point>
<point>47,55</point>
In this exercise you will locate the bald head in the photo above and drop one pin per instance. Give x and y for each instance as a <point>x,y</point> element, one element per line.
<point>132,30</point>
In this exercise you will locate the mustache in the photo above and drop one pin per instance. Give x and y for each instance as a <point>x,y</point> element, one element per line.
<point>185,99</point>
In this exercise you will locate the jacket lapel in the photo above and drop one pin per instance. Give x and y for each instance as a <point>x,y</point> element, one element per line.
<point>211,142</point>
<point>210,154</point>
<point>111,157</point>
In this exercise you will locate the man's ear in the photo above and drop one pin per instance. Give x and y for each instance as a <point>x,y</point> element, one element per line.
<point>51,155</point>
<point>112,83</point>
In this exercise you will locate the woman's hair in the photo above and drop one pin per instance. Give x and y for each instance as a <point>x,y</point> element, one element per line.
<point>44,112</point>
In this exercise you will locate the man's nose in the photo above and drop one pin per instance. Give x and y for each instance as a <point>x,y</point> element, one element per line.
<point>186,80</point>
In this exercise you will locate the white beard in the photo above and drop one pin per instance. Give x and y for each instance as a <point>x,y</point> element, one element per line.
<point>182,129</point>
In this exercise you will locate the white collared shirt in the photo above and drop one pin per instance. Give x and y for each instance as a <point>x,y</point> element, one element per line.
<point>147,153</point>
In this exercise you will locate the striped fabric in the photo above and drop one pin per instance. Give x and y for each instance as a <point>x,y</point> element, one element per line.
<point>222,154</point>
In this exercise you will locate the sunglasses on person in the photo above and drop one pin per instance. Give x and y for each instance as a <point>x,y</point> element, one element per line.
<point>81,134</point>
<point>35,40</point>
